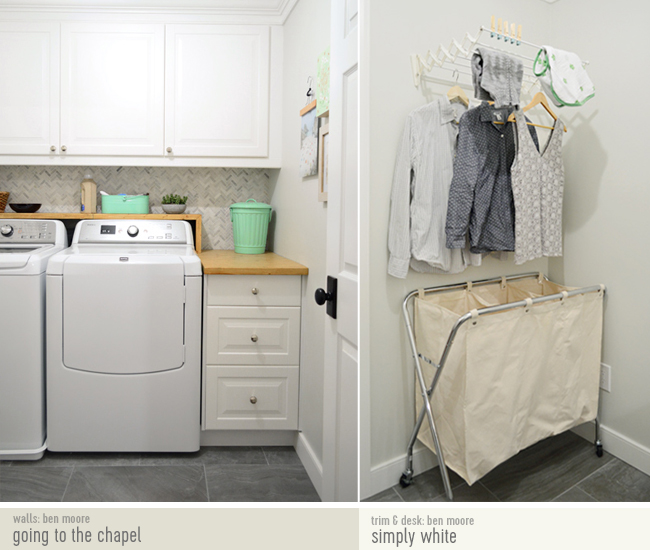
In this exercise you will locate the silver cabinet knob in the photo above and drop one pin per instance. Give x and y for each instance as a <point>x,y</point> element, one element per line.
<point>254,291</point>
<point>169,149</point>
<point>254,338</point>
<point>64,148</point>
<point>53,148</point>
<point>253,400</point>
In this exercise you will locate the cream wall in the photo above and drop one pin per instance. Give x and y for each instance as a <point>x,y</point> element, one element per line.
<point>299,229</point>
<point>607,205</point>
<point>396,30</point>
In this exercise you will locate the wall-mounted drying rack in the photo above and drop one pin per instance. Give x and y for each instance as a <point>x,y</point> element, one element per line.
<point>457,56</point>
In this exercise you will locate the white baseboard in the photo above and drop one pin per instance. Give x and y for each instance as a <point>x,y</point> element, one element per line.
<point>388,474</point>
<point>618,445</point>
<point>311,462</point>
<point>256,438</point>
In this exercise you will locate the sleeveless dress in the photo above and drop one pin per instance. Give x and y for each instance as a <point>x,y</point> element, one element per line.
<point>537,189</point>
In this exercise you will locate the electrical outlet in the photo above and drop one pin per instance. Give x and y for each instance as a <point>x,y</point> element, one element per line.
<point>605,377</point>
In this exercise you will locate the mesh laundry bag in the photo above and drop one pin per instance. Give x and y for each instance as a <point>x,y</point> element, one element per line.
<point>512,378</point>
<point>563,77</point>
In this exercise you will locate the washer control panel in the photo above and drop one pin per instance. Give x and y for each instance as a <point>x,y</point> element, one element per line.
<point>133,231</point>
<point>27,231</point>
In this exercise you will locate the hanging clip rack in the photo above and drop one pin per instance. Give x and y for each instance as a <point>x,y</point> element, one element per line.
<point>499,32</point>
<point>457,56</point>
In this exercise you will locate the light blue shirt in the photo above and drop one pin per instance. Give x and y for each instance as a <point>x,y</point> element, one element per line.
<point>420,193</point>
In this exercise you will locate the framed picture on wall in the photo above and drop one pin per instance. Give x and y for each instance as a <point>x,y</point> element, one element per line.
<point>323,157</point>
<point>323,84</point>
<point>308,141</point>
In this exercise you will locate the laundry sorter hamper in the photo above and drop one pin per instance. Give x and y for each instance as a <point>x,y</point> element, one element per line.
<point>501,364</point>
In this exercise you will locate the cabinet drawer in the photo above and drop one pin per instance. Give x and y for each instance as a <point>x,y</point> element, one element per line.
<point>251,398</point>
<point>253,290</point>
<point>253,336</point>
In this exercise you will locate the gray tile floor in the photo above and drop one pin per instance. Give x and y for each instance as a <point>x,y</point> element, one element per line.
<point>213,474</point>
<point>563,468</point>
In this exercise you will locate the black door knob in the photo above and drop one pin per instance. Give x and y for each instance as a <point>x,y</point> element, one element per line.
<point>321,296</point>
<point>330,296</point>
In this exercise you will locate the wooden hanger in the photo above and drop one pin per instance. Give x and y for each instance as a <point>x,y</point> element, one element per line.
<point>457,93</point>
<point>538,99</point>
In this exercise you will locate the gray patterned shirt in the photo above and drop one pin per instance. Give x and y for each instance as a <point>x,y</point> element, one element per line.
<point>480,196</point>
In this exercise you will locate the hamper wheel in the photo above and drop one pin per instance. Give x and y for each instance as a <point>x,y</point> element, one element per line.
<point>406,479</point>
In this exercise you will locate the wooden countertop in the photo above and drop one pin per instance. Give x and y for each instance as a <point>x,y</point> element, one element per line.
<point>228,262</point>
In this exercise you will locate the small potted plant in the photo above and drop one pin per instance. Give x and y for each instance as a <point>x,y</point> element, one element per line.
<point>174,204</point>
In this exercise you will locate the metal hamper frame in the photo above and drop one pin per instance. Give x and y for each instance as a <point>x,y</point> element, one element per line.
<point>407,476</point>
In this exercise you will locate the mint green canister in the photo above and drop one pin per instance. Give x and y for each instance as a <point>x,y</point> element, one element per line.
<point>250,225</point>
<point>125,204</point>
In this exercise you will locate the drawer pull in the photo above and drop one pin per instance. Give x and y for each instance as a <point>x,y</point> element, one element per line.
<point>254,338</point>
<point>254,291</point>
<point>253,400</point>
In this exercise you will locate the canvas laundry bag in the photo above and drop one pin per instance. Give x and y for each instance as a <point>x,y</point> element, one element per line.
<point>563,77</point>
<point>511,378</point>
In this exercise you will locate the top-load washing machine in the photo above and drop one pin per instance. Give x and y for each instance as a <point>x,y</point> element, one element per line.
<point>124,338</point>
<point>25,248</point>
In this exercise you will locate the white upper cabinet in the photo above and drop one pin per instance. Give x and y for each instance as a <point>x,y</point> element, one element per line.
<point>112,89</point>
<point>29,88</point>
<point>115,90</point>
<point>217,90</point>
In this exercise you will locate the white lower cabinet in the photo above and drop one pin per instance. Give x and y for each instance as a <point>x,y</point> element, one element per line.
<point>253,335</point>
<point>251,352</point>
<point>251,398</point>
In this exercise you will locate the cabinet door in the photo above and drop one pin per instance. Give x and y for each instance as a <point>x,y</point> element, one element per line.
<point>29,88</point>
<point>217,90</point>
<point>251,398</point>
<point>253,335</point>
<point>112,89</point>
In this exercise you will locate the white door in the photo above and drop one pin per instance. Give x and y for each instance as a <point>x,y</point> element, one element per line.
<point>112,89</point>
<point>29,90</point>
<point>217,90</point>
<point>341,340</point>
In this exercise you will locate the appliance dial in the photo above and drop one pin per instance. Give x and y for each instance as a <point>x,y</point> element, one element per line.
<point>133,231</point>
<point>7,230</point>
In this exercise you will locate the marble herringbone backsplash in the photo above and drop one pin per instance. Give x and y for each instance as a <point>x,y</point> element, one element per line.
<point>211,191</point>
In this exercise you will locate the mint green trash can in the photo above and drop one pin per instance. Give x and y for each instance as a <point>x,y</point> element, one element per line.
<point>250,225</point>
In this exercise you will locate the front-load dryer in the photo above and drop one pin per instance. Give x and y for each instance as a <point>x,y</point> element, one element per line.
<point>25,248</point>
<point>124,339</point>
